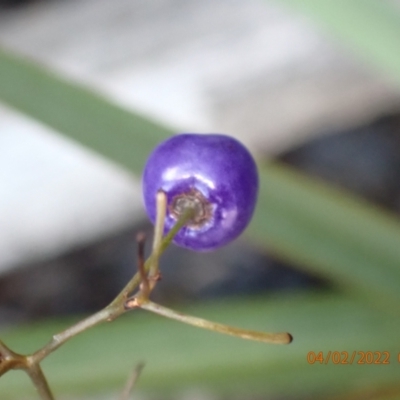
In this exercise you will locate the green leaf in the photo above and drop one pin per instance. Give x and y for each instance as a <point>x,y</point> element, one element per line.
<point>82,115</point>
<point>370,28</point>
<point>178,355</point>
<point>331,234</point>
<point>322,229</point>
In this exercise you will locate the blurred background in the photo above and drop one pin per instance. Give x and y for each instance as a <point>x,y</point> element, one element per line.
<point>310,90</point>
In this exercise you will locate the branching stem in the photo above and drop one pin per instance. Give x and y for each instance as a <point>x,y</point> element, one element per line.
<point>143,282</point>
<point>116,307</point>
<point>39,380</point>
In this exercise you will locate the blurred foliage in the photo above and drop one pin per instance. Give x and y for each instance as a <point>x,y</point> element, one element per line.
<point>369,28</point>
<point>316,227</point>
<point>177,355</point>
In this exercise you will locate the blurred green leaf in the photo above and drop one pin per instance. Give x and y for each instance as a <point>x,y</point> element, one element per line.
<point>177,355</point>
<point>85,116</point>
<point>370,28</point>
<point>313,226</point>
<point>330,233</point>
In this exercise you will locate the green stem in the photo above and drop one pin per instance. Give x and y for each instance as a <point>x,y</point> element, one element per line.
<point>161,204</point>
<point>116,307</point>
<point>40,382</point>
<point>266,337</point>
<point>60,338</point>
<point>166,241</point>
<point>10,360</point>
<point>132,379</point>
<point>185,217</point>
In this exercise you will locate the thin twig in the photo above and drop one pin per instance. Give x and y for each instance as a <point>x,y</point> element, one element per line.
<point>161,205</point>
<point>123,303</point>
<point>166,241</point>
<point>10,360</point>
<point>145,287</point>
<point>31,363</point>
<point>114,309</point>
<point>39,380</point>
<point>131,382</point>
<point>60,338</point>
<point>276,338</point>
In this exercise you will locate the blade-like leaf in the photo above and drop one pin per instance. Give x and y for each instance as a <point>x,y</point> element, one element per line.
<point>369,28</point>
<point>326,230</point>
<point>330,233</point>
<point>84,116</point>
<point>177,355</point>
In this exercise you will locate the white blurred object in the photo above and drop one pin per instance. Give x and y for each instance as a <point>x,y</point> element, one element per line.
<point>55,195</point>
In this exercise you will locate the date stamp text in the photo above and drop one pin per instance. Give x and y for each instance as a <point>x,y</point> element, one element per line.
<point>351,358</point>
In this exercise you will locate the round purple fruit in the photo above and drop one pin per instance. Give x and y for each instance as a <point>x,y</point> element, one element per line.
<point>214,174</point>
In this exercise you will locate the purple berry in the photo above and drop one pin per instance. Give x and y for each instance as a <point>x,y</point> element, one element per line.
<point>213,173</point>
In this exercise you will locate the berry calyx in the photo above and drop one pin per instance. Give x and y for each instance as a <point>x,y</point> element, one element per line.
<point>214,175</point>
<point>202,209</point>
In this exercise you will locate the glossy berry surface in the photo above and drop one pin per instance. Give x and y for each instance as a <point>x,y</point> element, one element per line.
<point>213,173</point>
